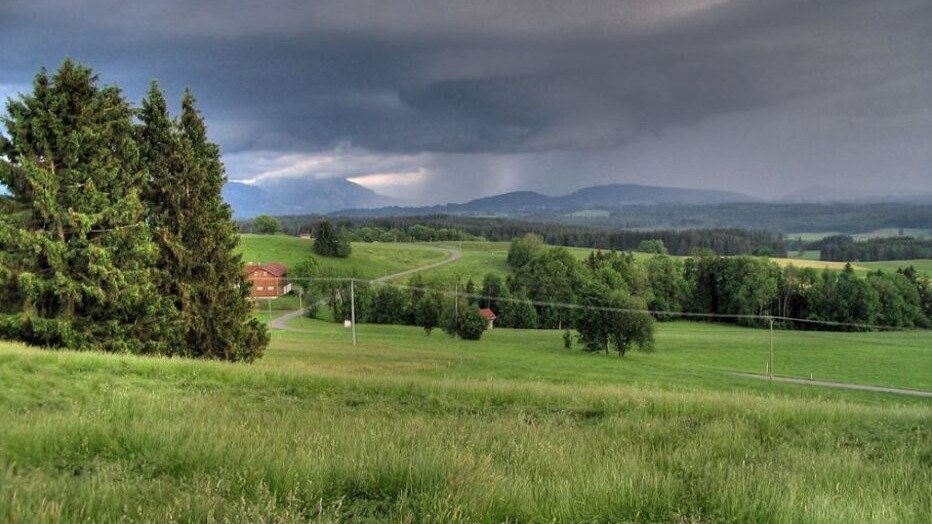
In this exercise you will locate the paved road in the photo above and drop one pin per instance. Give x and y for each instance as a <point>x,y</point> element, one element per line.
<point>454,254</point>
<point>840,385</point>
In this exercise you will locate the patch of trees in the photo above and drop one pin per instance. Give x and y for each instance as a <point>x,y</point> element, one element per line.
<point>412,233</point>
<point>843,248</point>
<point>332,242</point>
<point>364,231</point>
<point>743,289</point>
<point>266,225</point>
<point>414,305</point>
<point>114,235</point>
<point>757,287</point>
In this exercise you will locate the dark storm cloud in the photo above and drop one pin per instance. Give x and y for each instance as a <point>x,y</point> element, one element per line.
<point>516,78</point>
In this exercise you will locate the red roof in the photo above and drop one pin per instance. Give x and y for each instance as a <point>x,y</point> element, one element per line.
<point>488,314</point>
<point>274,268</point>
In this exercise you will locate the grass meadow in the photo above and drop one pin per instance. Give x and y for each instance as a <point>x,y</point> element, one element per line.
<point>513,428</point>
<point>368,259</point>
<point>923,266</point>
<point>477,259</point>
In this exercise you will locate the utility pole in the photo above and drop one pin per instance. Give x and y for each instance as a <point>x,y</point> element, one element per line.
<point>771,349</point>
<point>352,294</point>
<point>270,317</point>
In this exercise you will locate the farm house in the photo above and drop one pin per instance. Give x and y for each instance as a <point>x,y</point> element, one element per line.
<point>268,280</point>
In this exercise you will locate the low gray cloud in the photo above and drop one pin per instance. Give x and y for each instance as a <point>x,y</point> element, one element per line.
<point>478,97</point>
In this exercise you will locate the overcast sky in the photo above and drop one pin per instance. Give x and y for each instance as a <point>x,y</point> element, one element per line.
<point>447,100</point>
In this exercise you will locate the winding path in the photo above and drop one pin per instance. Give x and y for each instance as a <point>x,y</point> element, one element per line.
<point>453,255</point>
<point>840,385</point>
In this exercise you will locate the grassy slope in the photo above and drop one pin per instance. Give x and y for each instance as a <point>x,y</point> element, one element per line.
<point>368,260</point>
<point>412,428</point>
<point>923,266</point>
<point>478,258</point>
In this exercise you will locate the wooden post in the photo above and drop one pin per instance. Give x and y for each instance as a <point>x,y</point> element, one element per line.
<point>270,317</point>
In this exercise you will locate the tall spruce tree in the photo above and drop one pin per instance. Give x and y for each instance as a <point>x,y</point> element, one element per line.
<point>77,255</point>
<point>199,268</point>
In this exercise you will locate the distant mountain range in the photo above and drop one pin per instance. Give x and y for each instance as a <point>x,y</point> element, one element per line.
<point>337,196</point>
<point>855,195</point>
<point>299,197</point>
<point>605,197</point>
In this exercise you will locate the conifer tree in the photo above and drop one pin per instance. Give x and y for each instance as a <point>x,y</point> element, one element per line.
<point>196,236</point>
<point>77,255</point>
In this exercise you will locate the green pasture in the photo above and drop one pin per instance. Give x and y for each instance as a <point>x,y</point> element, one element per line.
<point>923,266</point>
<point>478,258</point>
<point>368,259</point>
<point>687,354</point>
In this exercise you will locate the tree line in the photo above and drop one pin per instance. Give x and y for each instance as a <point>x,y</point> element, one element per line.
<point>783,216</point>
<point>843,248</point>
<point>733,241</point>
<point>114,234</point>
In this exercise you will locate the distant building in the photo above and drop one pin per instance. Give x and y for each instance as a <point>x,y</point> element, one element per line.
<point>489,315</point>
<point>306,236</point>
<point>268,280</point>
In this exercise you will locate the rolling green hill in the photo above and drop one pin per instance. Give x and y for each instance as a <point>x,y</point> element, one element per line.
<point>368,260</point>
<point>923,266</point>
<point>478,258</point>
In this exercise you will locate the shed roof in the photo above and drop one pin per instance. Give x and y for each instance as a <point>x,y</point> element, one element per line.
<point>488,314</point>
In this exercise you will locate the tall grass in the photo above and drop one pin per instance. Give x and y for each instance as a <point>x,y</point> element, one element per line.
<point>101,438</point>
